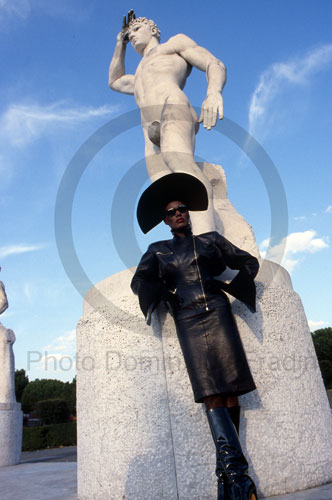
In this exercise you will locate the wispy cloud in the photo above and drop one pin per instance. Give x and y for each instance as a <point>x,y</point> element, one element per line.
<point>59,356</point>
<point>327,210</point>
<point>55,359</point>
<point>14,8</point>
<point>63,344</point>
<point>24,123</point>
<point>300,217</point>
<point>288,250</point>
<point>280,75</point>
<point>8,250</point>
<point>27,290</point>
<point>314,325</point>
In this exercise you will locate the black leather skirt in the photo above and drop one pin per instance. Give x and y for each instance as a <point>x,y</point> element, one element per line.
<point>213,352</point>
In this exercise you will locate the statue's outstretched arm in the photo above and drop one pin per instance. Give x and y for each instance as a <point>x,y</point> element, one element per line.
<point>201,58</point>
<point>213,104</point>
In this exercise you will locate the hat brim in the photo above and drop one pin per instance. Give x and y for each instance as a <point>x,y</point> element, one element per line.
<point>170,187</point>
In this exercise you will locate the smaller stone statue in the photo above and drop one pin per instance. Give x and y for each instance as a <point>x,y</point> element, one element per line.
<point>7,363</point>
<point>11,416</point>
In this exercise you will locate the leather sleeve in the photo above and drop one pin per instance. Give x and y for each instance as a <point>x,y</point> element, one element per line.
<point>235,258</point>
<point>146,283</point>
<point>242,286</point>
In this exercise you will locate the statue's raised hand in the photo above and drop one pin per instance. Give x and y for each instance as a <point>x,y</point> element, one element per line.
<point>123,35</point>
<point>212,107</point>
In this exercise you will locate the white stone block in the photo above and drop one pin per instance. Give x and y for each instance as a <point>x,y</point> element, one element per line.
<point>124,435</point>
<point>11,426</point>
<point>140,434</point>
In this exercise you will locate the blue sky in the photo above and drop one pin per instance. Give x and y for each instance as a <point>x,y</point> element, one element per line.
<point>54,97</point>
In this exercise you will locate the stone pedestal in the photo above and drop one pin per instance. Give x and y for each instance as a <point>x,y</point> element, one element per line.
<point>11,416</point>
<point>140,434</point>
<point>11,425</point>
<point>228,221</point>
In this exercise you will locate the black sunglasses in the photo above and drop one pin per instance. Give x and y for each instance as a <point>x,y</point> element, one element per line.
<point>172,211</point>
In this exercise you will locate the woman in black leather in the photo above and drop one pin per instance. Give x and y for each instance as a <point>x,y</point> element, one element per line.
<point>182,272</point>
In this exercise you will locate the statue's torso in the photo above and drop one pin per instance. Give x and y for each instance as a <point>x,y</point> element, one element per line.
<point>161,74</point>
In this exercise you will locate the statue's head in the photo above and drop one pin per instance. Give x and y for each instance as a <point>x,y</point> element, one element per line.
<point>141,31</point>
<point>143,20</point>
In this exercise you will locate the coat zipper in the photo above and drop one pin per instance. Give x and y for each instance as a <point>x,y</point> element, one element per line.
<point>199,274</point>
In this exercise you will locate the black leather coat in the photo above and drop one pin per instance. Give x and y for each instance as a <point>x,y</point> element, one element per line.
<point>182,272</point>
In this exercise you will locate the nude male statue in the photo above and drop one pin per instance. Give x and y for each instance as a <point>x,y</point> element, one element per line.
<point>169,122</point>
<point>7,364</point>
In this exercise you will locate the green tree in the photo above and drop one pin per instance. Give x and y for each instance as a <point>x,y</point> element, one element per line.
<point>52,411</point>
<point>21,381</point>
<point>45,389</point>
<point>322,340</point>
<point>69,394</point>
<point>39,390</point>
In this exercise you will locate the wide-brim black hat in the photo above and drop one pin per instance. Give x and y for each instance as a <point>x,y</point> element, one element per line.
<point>170,187</point>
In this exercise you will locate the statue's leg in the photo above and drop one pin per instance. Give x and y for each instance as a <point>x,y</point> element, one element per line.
<point>177,145</point>
<point>150,119</point>
<point>155,165</point>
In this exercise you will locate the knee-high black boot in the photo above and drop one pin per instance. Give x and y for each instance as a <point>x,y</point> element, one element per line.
<point>239,484</point>
<point>222,480</point>
<point>234,413</point>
